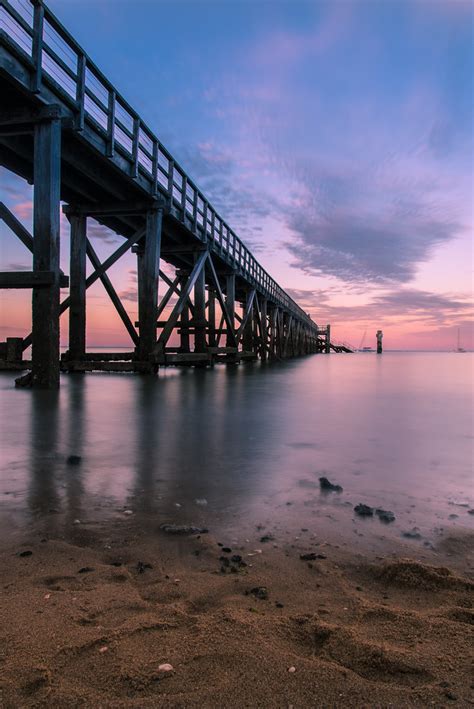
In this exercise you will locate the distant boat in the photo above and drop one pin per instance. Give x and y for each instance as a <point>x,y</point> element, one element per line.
<point>459,348</point>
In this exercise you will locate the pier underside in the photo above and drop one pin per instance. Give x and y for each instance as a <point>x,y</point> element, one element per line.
<point>86,152</point>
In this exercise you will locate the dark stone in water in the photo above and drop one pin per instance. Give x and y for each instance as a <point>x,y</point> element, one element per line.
<point>73,459</point>
<point>227,550</point>
<point>385,515</point>
<point>182,529</point>
<point>312,556</point>
<point>260,592</point>
<point>412,534</point>
<point>364,510</point>
<point>470,512</point>
<point>142,567</point>
<point>28,552</point>
<point>267,538</point>
<point>328,486</point>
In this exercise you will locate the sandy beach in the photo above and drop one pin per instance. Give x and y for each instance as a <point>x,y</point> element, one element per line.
<point>87,619</point>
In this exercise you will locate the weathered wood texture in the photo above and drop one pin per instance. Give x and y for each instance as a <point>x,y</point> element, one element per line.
<point>46,206</point>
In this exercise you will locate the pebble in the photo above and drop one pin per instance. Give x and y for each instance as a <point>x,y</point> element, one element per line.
<point>47,597</point>
<point>77,521</point>
<point>292,669</point>
<point>128,512</point>
<point>165,667</point>
<point>104,648</point>
<point>200,501</point>
<point>27,552</point>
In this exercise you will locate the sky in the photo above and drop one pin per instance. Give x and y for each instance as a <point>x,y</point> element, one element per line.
<point>335,137</point>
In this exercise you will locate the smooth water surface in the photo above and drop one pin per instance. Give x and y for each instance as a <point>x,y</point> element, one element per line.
<point>249,443</point>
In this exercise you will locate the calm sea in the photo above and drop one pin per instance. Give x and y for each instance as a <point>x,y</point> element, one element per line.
<point>235,447</point>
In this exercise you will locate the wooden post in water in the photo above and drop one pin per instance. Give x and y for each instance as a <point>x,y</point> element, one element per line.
<point>200,311</point>
<point>212,317</point>
<point>46,206</point>
<point>328,339</point>
<point>184,319</point>
<point>148,267</point>
<point>247,337</point>
<point>77,286</point>
<point>379,341</point>
<point>230,303</point>
<point>263,318</point>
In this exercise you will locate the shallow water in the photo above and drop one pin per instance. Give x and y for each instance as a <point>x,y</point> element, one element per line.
<point>251,442</point>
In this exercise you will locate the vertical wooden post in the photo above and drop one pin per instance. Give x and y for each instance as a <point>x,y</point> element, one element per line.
<point>77,286</point>
<point>212,318</point>
<point>47,179</point>
<point>379,341</point>
<point>247,336</point>
<point>184,344</point>
<point>263,319</point>
<point>37,45</point>
<point>230,303</point>
<point>328,339</point>
<point>148,267</point>
<point>200,311</point>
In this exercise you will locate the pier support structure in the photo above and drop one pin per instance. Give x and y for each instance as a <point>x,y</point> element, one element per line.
<point>67,130</point>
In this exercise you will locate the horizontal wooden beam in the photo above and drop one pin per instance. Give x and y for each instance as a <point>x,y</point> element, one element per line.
<point>113,209</point>
<point>30,279</point>
<point>29,115</point>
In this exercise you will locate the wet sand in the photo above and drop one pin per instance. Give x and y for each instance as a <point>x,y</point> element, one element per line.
<point>88,617</point>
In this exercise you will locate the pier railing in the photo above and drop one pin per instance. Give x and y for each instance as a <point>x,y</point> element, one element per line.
<point>57,59</point>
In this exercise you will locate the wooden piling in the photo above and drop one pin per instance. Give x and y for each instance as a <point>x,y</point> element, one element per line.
<point>148,267</point>
<point>200,312</point>
<point>77,286</point>
<point>46,206</point>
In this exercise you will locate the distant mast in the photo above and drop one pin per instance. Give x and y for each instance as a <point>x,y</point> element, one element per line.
<point>379,341</point>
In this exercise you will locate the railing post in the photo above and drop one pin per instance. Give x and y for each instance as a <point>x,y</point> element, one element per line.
<point>37,46</point>
<point>80,91</point>
<point>46,206</point>
<point>111,126</point>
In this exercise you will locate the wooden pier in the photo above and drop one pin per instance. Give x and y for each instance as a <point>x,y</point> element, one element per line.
<point>68,131</point>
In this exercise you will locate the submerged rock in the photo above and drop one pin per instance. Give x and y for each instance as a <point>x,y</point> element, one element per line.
<point>385,515</point>
<point>364,510</point>
<point>312,556</point>
<point>412,534</point>
<point>260,592</point>
<point>182,529</point>
<point>328,486</point>
<point>142,567</point>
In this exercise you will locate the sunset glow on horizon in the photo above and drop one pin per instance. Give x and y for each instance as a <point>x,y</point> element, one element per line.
<point>335,138</point>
